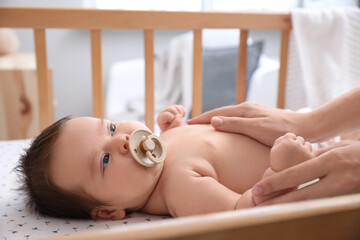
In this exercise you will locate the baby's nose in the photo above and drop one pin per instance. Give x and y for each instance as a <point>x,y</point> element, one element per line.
<point>122,143</point>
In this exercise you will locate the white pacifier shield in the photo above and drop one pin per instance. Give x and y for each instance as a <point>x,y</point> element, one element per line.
<point>146,148</point>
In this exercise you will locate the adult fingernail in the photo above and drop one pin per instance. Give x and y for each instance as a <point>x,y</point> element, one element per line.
<point>191,120</point>
<point>257,191</point>
<point>217,122</point>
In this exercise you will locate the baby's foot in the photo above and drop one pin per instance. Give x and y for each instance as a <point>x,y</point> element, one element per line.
<point>289,150</point>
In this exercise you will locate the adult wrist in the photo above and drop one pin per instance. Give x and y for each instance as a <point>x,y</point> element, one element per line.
<point>307,127</point>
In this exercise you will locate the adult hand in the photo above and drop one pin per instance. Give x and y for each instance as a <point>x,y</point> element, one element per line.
<point>338,171</point>
<point>258,121</point>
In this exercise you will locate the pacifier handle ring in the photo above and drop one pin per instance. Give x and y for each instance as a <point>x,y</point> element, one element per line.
<point>149,154</point>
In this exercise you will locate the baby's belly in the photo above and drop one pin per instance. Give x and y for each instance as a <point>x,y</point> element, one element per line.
<point>237,161</point>
<point>242,162</point>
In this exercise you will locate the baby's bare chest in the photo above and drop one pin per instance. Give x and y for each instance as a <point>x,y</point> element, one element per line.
<point>234,160</point>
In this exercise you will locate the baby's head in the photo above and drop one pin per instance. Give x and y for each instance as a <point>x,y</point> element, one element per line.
<point>82,168</point>
<point>289,150</point>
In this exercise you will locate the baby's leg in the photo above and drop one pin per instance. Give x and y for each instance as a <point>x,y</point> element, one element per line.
<point>288,150</point>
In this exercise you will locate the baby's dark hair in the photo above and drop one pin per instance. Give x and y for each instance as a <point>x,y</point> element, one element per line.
<point>42,195</point>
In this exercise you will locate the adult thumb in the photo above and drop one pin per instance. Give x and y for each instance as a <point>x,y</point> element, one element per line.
<point>230,124</point>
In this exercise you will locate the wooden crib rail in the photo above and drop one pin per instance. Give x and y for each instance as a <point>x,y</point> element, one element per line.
<point>80,18</point>
<point>328,218</point>
<point>95,20</point>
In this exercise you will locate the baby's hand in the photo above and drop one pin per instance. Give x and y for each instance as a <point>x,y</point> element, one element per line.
<point>171,117</point>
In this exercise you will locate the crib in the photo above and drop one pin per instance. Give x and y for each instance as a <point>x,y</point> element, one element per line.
<point>333,218</point>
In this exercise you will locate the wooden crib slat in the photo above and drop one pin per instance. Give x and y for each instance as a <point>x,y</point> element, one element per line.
<point>242,65</point>
<point>197,73</point>
<point>285,36</point>
<point>149,78</point>
<point>97,82</point>
<point>44,82</point>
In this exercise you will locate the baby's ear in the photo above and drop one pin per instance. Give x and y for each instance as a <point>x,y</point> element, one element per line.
<point>103,213</point>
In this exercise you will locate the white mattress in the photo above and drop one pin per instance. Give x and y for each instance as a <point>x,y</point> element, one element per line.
<point>16,222</point>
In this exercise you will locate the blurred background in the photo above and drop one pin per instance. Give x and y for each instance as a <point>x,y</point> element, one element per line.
<point>123,52</point>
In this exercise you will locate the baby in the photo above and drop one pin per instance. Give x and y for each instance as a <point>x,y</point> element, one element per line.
<point>82,167</point>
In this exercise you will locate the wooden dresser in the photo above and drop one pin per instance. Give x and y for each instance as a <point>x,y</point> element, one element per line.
<point>19,108</point>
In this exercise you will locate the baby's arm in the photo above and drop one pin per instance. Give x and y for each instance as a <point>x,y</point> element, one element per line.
<point>171,117</point>
<point>195,194</point>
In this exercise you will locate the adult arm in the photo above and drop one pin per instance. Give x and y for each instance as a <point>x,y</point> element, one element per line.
<point>338,171</point>
<point>339,116</point>
<point>266,123</point>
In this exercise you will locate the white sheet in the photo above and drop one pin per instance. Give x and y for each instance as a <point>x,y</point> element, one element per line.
<point>324,56</point>
<point>17,223</point>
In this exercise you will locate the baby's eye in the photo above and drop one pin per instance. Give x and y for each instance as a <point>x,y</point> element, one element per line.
<point>112,129</point>
<point>105,160</point>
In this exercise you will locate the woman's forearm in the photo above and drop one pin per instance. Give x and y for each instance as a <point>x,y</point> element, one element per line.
<point>337,117</point>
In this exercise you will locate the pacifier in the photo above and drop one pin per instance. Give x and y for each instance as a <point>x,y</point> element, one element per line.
<point>147,148</point>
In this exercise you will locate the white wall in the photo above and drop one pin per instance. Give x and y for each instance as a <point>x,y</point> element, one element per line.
<point>69,55</point>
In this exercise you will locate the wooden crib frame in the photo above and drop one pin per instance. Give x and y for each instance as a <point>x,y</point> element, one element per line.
<point>336,218</point>
<point>40,19</point>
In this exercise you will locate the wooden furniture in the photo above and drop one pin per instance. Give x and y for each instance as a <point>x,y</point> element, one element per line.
<point>334,218</point>
<point>19,108</point>
<point>39,19</point>
<point>330,219</point>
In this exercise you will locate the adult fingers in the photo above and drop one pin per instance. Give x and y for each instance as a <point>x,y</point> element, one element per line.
<point>234,124</point>
<point>291,177</point>
<point>223,111</point>
<point>320,189</point>
<point>252,127</point>
<point>259,200</point>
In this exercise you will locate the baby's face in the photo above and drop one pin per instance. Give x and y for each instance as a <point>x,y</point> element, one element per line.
<point>93,155</point>
<point>292,148</point>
